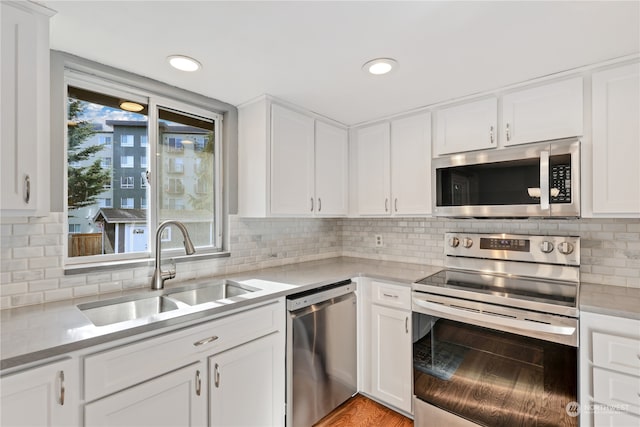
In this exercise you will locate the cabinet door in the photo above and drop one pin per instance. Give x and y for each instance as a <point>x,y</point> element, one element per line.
<point>44,396</point>
<point>391,376</point>
<point>247,384</point>
<point>373,170</point>
<point>543,113</point>
<point>467,127</point>
<point>292,173</point>
<point>174,399</point>
<point>411,165</point>
<point>331,170</point>
<point>616,141</point>
<point>19,108</point>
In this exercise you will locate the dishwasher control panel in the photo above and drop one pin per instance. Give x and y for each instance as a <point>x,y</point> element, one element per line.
<point>319,295</point>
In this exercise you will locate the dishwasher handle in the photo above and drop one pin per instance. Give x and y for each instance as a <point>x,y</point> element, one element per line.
<point>319,295</point>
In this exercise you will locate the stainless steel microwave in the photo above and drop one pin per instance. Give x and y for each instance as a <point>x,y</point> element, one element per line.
<point>536,180</point>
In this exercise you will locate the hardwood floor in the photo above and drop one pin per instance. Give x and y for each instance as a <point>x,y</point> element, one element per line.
<point>361,411</point>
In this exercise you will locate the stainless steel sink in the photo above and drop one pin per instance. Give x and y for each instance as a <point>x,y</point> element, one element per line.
<point>116,312</point>
<point>209,293</point>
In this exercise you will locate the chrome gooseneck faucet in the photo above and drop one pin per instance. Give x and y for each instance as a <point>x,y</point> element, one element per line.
<point>159,276</point>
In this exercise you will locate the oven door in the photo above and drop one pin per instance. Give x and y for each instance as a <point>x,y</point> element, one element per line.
<point>465,374</point>
<point>540,180</point>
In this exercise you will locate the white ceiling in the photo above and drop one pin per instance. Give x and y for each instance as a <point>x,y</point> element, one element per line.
<point>310,53</point>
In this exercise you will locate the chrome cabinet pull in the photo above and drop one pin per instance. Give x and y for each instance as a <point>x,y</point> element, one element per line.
<point>406,324</point>
<point>216,375</point>
<point>205,341</point>
<point>319,204</point>
<point>390,296</point>
<point>312,204</point>
<point>491,134</point>
<point>198,383</point>
<point>508,132</point>
<point>386,205</point>
<point>62,389</point>
<point>395,204</point>
<point>27,189</point>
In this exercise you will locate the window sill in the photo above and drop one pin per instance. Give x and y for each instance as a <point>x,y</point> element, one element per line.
<point>71,270</point>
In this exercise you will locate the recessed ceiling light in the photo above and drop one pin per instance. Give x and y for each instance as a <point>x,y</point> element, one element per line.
<point>184,63</point>
<point>380,66</point>
<point>134,107</point>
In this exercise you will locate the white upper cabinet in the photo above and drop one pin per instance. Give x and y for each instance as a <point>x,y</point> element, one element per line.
<point>411,165</point>
<point>373,170</point>
<point>332,168</point>
<point>393,164</point>
<point>616,141</point>
<point>292,156</point>
<point>467,127</point>
<point>290,163</point>
<point>543,113</point>
<point>24,117</point>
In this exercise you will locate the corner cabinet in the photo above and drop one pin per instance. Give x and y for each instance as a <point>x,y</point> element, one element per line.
<point>24,111</point>
<point>290,163</point>
<point>616,141</point>
<point>43,396</point>
<point>392,167</point>
<point>609,371</point>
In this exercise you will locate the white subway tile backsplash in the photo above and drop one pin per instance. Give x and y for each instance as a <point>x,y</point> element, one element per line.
<point>32,250</point>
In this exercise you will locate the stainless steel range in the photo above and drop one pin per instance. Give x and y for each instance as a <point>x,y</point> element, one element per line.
<point>495,334</point>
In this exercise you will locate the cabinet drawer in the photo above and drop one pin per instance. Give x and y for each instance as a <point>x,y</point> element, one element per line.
<point>115,369</point>
<point>615,352</point>
<point>391,295</point>
<point>617,390</point>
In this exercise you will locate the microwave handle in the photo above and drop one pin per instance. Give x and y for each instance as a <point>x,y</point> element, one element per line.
<point>544,180</point>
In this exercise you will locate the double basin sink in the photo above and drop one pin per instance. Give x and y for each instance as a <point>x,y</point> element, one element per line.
<point>118,310</point>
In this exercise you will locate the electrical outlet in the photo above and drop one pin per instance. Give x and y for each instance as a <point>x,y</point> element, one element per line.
<point>379,242</point>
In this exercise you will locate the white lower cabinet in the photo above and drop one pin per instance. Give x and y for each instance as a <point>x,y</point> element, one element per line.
<point>246,384</point>
<point>229,371</point>
<point>177,398</point>
<point>609,371</point>
<point>385,343</point>
<point>42,396</point>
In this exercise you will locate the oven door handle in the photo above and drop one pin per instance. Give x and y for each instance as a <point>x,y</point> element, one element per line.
<point>482,319</point>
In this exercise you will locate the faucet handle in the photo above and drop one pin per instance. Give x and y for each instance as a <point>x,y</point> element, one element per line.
<point>170,272</point>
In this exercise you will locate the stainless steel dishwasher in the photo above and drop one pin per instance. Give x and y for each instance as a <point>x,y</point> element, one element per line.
<point>321,352</point>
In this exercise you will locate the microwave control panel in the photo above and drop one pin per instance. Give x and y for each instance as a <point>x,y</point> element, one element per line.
<point>560,180</point>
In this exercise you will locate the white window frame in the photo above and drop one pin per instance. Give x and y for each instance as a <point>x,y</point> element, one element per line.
<point>126,185</point>
<point>101,84</point>
<point>128,199</point>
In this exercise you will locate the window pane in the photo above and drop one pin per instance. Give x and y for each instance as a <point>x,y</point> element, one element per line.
<point>104,147</point>
<point>186,143</point>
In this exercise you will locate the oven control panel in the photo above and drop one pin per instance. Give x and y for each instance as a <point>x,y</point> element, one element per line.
<point>563,250</point>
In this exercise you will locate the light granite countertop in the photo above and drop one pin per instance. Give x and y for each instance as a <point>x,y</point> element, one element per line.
<point>39,332</point>
<point>34,333</point>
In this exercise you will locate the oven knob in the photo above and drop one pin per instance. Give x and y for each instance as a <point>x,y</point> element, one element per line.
<point>454,242</point>
<point>546,247</point>
<point>565,248</point>
<point>467,242</point>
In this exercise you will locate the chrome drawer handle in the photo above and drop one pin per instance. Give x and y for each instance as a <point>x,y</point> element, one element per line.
<point>198,383</point>
<point>390,296</point>
<point>205,341</point>
<point>62,388</point>
<point>216,376</point>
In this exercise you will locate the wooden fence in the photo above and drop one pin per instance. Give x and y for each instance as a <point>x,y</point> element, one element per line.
<point>83,244</point>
